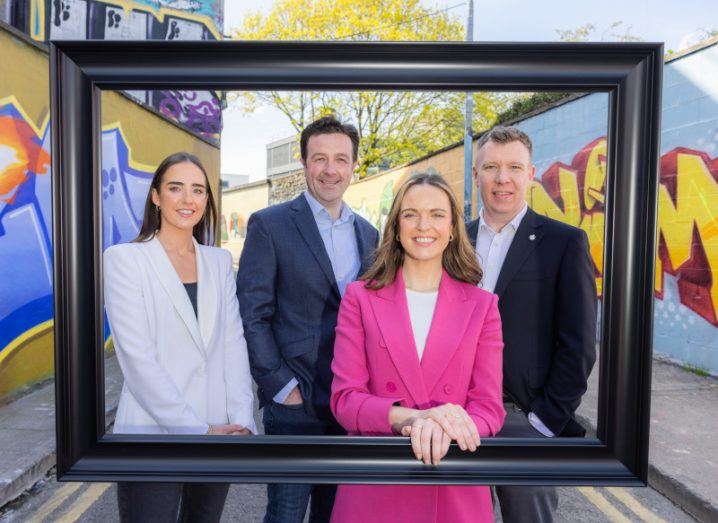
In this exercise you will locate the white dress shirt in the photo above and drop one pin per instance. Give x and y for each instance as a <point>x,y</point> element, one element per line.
<point>491,250</point>
<point>492,247</point>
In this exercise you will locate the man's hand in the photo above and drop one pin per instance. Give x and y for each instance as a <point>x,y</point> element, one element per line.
<point>295,397</point>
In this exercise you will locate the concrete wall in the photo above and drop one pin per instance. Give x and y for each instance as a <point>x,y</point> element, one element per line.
<point>237,205</point>
<point>570,156</point>
<point>134,141</point>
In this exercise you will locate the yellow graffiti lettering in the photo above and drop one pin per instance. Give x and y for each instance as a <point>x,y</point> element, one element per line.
<point>594,225</point>
<point>541,202</point>
<point>595,176</point>
<point>696,205</point>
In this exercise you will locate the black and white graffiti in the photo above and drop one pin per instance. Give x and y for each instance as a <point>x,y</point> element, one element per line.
<point>121,25</point>
<point>68,19</point>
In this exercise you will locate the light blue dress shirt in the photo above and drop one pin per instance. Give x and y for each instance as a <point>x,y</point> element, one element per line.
<point>340,243</point>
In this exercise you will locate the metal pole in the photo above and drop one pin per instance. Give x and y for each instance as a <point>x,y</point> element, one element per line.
<point>468,133</point>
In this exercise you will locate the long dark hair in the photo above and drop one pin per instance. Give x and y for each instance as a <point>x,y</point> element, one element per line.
<point>152,220</point>
<point>458,260</point>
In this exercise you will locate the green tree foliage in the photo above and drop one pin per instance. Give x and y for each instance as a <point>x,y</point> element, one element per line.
<point>395,127</point>
<point>523,105</point>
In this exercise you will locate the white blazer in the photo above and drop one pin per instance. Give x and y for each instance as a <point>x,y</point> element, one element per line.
<point>181,372</point>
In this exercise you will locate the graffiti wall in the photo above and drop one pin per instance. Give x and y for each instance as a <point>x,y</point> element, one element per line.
<point>125,19</point>
<point>572,189</point>
<point>570,156</point>
<point>200,112</point>
<point>133,141</point>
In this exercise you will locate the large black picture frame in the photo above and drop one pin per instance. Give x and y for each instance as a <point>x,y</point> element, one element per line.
<point>630,72</point>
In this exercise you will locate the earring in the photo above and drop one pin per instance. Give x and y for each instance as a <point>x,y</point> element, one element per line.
<point>397,238</point>
<point>158,208</point>
<point>451,237</point>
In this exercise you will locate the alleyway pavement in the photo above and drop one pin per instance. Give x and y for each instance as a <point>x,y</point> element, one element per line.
<point>683,442</point>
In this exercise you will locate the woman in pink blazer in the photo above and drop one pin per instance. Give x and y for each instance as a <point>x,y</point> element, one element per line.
<point>418,353</point>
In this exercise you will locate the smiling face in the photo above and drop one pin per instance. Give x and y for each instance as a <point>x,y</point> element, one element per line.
<point>328,167</point>
<point>182,196</point>
<point>425,223</point>
<point>503,173</point>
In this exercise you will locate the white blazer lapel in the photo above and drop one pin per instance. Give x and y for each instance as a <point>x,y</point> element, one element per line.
<point>207,298</point>
<point>169,279</point>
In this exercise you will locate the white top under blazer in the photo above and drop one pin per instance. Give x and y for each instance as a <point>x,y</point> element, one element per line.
<point>181,372</point>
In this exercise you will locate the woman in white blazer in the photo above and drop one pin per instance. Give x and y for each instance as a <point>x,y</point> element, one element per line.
<point>175,323</point>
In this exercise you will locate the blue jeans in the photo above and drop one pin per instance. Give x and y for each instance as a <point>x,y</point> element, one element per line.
<point>287,503</point>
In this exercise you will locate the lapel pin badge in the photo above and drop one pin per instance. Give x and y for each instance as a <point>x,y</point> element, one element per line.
<point>532,237</point>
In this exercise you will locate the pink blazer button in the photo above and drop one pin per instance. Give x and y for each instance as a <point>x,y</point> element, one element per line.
<point>448,389</point>
<point>390,386</point>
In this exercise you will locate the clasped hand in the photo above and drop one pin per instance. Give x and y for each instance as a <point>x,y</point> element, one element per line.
<point>432,430</point>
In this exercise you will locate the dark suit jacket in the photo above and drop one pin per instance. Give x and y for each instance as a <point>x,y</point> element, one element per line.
<point>547,302</point>
<point>289,299</point>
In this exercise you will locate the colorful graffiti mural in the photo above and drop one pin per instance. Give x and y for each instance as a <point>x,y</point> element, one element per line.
<point>574,194</point>
<point>199,112</point>
<point>688,228</point>
<point>135,19</point>
<point>687,217</point>
<point>25,213</point>
<point>26,295</point>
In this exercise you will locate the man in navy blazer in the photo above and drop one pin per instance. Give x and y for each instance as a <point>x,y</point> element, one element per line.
<point>543,274</point>
<point>297,260</point>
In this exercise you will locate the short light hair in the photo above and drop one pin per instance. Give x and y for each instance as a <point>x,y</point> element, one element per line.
<point>504,135</point>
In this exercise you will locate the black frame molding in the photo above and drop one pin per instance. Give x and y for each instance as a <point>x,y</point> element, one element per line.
<point>630,72</point>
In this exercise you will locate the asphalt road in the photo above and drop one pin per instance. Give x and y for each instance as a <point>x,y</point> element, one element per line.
<point>97,502</point>
<point>51,501</point>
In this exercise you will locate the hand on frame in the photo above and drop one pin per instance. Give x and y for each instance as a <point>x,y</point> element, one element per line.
<point>457,423</point>
<point>429,441</point>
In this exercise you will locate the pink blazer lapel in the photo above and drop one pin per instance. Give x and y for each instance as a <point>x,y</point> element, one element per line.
<point>451,319</point>
<point>392,316</point>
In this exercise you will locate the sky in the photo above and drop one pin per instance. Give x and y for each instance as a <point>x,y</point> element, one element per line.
<point>676,23</point>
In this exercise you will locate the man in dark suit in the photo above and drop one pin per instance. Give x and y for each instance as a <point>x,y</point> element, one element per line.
<point>544,277</point>
<point>297,260</point>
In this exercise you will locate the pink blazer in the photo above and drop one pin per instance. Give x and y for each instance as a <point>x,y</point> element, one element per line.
<point>376,365</point>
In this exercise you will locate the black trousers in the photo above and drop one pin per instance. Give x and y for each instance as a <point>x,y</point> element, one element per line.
<point>171,502</point>
<point>524,503</point>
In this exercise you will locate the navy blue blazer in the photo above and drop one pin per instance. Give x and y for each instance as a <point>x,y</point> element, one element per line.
<point>289,299</point>
<point>547,301</point>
